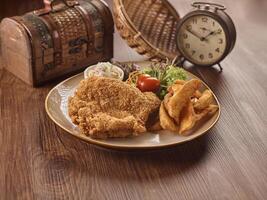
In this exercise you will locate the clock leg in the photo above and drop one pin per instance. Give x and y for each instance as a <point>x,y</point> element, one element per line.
<point>221,69</point>
<point>181,64</point>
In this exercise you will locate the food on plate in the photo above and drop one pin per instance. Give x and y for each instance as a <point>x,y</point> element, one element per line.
<point>127,68</point>
<point>188,118</point>
<point>185,105</point>
<point>204,101</point>
<point>197,94</point>
<point>209,111</point>
<point>212,109</point>
<point>164,74</point>
<point>154,127</point>
<point>104,69</point>
<point>166,122</point>
<point>153,123</point>
<point>146,83</point>
<point>104,107</point>
<point>180,98</point>
<point>167,74</point>
<point>176,86</point>
<point>133,77</point>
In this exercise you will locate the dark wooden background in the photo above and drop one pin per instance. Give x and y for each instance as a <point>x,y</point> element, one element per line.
<point>39,161</point>
<point>17,7</point>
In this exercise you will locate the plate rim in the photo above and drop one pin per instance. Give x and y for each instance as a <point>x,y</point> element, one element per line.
<point>125,147</point>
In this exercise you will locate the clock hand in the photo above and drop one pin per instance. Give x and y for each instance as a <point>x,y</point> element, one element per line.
<point>193,33</point>
<point>211,33</point>
<point>205,29</point>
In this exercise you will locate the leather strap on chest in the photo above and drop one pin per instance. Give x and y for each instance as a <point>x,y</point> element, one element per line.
<point>56,39</point>
<point>89,28</point>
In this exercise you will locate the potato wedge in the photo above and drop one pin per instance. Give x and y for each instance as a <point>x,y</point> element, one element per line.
<point>166,122</point>
<point>180,82</point>
<point>209,111</point>
<point>197,94</point>
<point>204,101</point>
<point>212,109</point>
<point>176,86</point>
<point>188,118</point>
<point>167,100</point>
<point>176,103</point>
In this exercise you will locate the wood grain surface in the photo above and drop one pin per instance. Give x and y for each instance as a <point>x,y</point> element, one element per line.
<point>39,161</point>
<point>10,8</point>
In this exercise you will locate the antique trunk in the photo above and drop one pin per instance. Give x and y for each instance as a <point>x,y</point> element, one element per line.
<point>49,43</point>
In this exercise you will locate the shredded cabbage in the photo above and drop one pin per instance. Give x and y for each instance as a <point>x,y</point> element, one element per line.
<point>104,69</point>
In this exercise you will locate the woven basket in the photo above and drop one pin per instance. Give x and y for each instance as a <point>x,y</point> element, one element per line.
<point>148,26</point>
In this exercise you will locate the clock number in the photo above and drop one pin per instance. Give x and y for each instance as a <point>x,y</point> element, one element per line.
<point>201,56</point>
<point>204,19</point>
<point>219,31</point>
<point>210,55</point>
<point>218,50</point>
<point>187,45</point>
<point>213,23</point>
<point>194,21</point>
<point>193,52</point>
<point>185,36</point>
<point>189,27</point>
<point>220,41</point>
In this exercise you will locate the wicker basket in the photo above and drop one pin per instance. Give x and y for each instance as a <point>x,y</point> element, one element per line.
<point>149,26</point>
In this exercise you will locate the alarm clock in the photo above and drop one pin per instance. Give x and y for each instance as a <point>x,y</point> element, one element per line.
<point>206,35</point>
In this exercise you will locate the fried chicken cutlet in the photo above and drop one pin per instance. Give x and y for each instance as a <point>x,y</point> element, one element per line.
<point>104,107</point>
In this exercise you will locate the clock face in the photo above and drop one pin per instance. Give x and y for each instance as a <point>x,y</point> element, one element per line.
<point>202,40</point>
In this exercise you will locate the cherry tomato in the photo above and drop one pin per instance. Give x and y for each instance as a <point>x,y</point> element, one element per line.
<point>141,78</point>
<point>146,83</point>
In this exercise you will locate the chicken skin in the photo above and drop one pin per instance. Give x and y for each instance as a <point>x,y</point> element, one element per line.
<point>105,107</point>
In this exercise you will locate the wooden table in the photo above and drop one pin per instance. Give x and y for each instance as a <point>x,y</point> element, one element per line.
<point>39,161</point>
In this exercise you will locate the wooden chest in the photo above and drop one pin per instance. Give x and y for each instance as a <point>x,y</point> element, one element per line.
<point>46,44</point>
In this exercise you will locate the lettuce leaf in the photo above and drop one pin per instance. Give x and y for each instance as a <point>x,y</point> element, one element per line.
<point>167,76</point>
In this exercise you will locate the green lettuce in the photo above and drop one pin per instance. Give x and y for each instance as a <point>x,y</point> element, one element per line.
<point>167,76</point>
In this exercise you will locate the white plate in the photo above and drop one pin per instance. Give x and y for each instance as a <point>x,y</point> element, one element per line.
<point>56,105</point>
